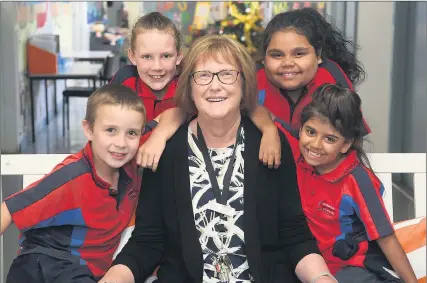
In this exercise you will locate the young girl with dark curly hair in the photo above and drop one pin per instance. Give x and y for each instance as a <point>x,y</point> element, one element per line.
<point>302,51</point>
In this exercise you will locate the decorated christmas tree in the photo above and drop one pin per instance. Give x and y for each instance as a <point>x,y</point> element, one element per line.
<point>243,23</point>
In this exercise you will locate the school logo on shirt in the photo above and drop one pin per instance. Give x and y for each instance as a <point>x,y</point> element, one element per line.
<point>326,208</point>
<point>133,192</point>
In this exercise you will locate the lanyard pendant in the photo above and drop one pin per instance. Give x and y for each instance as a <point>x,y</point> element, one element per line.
<point>225,269</point>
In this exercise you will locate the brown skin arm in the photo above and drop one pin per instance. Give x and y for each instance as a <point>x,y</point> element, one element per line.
<point>270,148</point>
<point>397,258</point>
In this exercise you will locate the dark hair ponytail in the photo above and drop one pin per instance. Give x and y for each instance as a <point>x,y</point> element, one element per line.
<point>342,108</point>
<point>327,40</point>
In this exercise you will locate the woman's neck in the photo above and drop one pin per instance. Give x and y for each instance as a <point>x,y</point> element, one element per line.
<point>219,133</point>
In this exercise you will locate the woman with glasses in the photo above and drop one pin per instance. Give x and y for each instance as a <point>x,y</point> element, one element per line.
<point>212,212</point>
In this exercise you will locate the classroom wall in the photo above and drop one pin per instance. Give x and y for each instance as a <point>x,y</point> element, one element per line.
<point>374,34</point>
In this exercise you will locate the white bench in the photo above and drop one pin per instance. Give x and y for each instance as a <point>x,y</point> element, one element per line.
<point>34,166</point>
<point>385,164</point>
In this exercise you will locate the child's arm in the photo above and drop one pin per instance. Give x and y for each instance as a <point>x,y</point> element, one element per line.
<point>397,258</point>
<point>6,218</point>
<point>169,121</point>
<point>270,148</point>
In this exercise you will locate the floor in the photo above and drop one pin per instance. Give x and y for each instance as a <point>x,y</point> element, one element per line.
<point>51,139</point>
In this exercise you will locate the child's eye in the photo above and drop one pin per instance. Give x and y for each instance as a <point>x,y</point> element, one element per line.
<point>310,132</point>
<point>146,57</point>
<point>299,54</point>
<point>330,139</point>
<point>166,56</point>
<point>111,130</point>
<point>133,133</point>
<point>276,55</point>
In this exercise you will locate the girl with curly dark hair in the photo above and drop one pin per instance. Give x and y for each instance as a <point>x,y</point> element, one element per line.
<point>302,51</point>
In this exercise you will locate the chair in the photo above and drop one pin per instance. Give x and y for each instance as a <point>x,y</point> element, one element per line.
<point>75,91</point>
<point>112,65</point>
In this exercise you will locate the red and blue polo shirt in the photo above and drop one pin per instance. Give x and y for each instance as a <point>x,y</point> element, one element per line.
<point>73,214</point>
<point>345,204</point>
<point>128,76</point>
<point>279,104</point>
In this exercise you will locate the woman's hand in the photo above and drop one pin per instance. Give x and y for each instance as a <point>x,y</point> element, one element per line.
<point>149,153</point>
<point>270,148</point>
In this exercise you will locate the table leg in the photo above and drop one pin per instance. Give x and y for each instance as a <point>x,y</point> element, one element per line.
<point>32,111</point>
<point>47,103</point>
<point>55,106</point>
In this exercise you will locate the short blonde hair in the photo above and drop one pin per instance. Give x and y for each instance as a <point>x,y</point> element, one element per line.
<point>113,94</point>
<point>155,20</point>
<point>214,47</point>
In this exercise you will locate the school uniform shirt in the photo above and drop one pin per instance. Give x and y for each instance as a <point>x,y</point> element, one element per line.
<point>283,107</point>
<point>73,214</point>
<point>128,76</point>
<point>345,213</point>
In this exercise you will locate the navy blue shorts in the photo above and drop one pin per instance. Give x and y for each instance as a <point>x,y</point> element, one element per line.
<point>41,268</point>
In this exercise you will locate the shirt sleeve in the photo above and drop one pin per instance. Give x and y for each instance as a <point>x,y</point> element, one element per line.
<point>367,194</point>
<point>48,202</point>
<point>294,231</point>
<point>144,250</point>
<point>291,136</point>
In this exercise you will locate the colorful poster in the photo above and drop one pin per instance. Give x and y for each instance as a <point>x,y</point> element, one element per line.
<point>181,13</point>
<point>283,6</point>
<point>95,12</point>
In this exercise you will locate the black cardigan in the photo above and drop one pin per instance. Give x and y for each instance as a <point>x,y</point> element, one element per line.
<point>277,236</point>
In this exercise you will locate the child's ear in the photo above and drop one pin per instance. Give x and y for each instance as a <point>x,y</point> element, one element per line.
<point>346,146</point>
<point>87,129</point>
<point>319,57</point>
<point>131,56</point>
<point>180,57</point>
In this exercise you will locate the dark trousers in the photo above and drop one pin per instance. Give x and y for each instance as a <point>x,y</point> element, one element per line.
<point>41,268</point>
<point>353,274</point>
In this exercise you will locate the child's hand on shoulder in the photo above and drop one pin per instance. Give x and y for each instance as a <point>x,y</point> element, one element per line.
<point>270,148</point>
<point>149,153</point>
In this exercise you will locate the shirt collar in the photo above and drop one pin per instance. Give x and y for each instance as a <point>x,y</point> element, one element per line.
<point>145,91</point>
<point>350,162</point>
<point>88,155</point>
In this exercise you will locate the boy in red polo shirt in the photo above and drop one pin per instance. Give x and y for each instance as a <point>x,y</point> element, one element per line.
<point>71,220</point>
